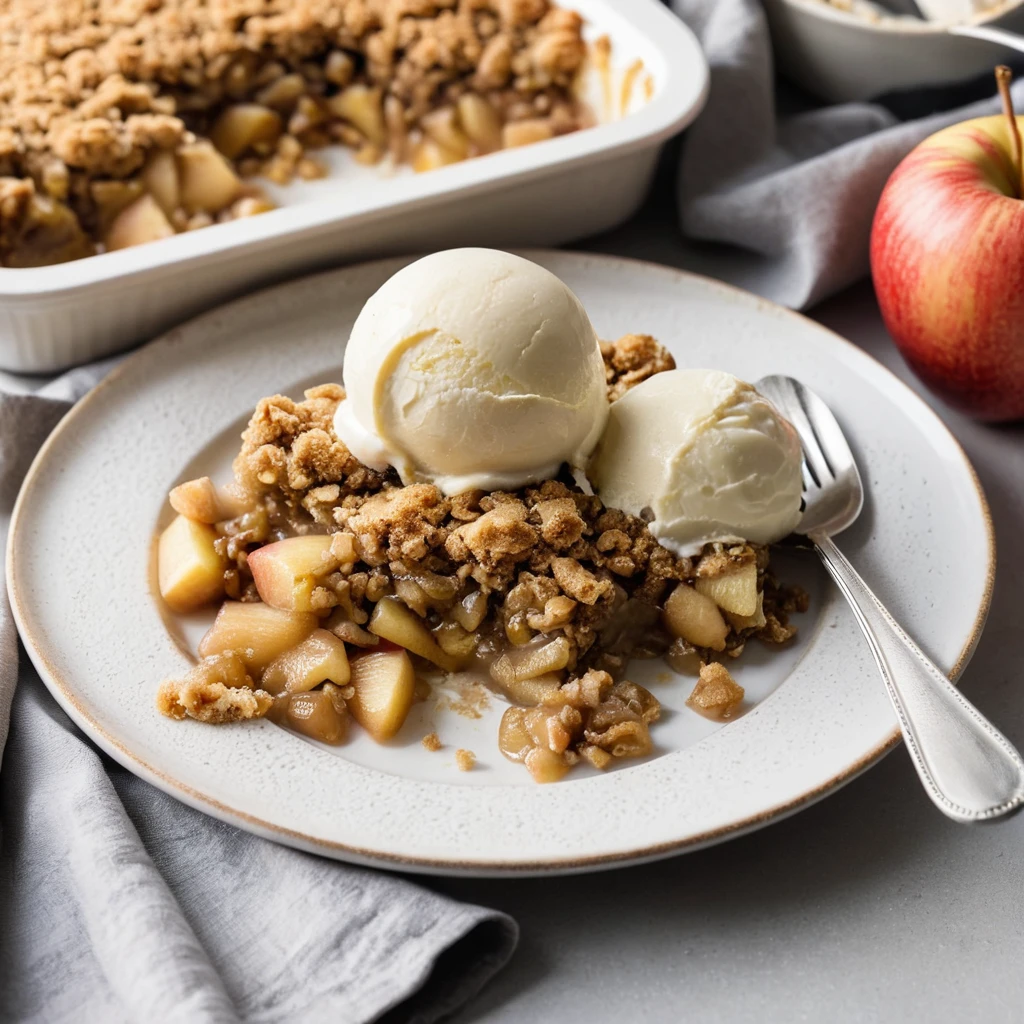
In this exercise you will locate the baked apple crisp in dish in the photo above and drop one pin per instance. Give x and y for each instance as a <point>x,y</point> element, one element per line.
<point>127,123</point>
<point>493,495</point>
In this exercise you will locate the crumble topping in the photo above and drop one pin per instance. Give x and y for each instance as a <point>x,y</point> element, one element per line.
<point>631,360</point>
<point>465,760</point>
<point>290,447</point>
<point>716,694</point>
<point>91,90</point>
<point>217,690</point>
<point>555,557</point>
<point>543,589</point>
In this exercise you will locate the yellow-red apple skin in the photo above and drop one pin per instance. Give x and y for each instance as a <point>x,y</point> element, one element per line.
<point>947,258</point>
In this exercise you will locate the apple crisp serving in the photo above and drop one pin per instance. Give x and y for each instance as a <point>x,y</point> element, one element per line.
<point>122,123</point>
<point>346,590</point>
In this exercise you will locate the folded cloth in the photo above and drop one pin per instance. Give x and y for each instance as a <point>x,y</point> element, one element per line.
<point>799,191</point>
<point>117,903</point>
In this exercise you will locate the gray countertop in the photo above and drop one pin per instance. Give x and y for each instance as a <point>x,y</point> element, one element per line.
<point>869,906</point>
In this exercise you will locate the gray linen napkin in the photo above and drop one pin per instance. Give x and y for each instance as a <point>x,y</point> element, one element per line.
<point>117,903</point>
<point>798,191</point>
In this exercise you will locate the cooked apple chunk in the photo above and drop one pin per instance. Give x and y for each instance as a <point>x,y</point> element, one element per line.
<point>545,765</point>
<point>428,155</point>
<point>734,591</point>
<point>524,133</point>
<point>320,658</point>
<point>393,621</point>
<point>208,183</point>
<point>259,633</point>
<point>480,121</point>
<point>520,664</point>
<point>286,572</point>
<point>363,107</point>
<point>160,176</point>
<point>190,571</point>
<point>204,502</point>
<point>456,641</point>
<point>695,618</point>
<point>142,221</point>
<point>384,685</point>
<point>442,125</point>
<point>755,621</point>
<point>317,714</point>
<point>533,692</point>
<point>243,126</point>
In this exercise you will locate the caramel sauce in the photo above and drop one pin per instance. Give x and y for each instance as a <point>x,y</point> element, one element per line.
<point>629,80</point>
<point>601,53</point>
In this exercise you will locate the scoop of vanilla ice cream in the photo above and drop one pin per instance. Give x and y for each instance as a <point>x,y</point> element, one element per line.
<point>473,368</point>
<point>707,455</point>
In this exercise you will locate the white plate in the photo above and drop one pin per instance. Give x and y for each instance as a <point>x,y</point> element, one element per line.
<point>79,568</point>
<point>548,193</point>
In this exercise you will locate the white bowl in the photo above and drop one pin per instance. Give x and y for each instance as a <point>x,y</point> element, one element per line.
<point>548,193</point>
<point>841,56</point>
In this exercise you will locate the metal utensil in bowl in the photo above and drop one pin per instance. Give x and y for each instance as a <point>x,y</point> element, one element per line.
<point>969,769</point>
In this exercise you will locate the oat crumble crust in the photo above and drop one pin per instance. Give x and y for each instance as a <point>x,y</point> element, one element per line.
<point>465,760</point>
<point>716,694</point>
<point>218,690</point>
<point>631,360</point>
<point>91,89</point>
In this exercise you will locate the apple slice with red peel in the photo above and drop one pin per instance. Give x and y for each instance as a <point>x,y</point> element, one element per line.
<point>204,502</point>
<point>393,621</point>
<point>320,658</point>
<point>384,684</point>
<point>190,571</point>
<point>257,632</point>
<point>286,572</point>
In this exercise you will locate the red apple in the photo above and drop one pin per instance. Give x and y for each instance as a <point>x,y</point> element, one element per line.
<point>947,256</point>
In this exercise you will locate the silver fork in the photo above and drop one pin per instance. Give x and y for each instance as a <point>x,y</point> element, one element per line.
<point>969,769</point>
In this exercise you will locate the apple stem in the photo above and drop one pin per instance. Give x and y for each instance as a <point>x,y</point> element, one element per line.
<point>1004,76</point>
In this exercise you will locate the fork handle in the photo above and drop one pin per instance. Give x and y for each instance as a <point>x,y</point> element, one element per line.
<point>969,769</point>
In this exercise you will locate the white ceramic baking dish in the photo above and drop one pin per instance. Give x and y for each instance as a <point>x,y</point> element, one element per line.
<point>545,194</point>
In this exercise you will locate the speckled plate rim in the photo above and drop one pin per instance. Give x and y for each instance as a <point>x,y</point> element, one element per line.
<point>64,693</point>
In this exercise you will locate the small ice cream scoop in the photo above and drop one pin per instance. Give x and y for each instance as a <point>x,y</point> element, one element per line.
<point>473,368</point>
<point>703,457</point>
